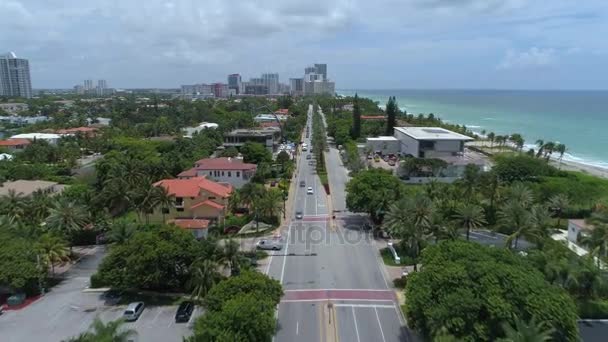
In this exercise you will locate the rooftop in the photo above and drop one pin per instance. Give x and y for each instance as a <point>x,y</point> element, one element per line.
<point>14,142</point>
<point>32,136</point>
<point>254,131</point>
<point>191,223</point>
<point>76,130</point>
<point>432,133</point>
<point>192,187</point>
<point>223,164</point>
<point>383,138</point>
<point>582,224</point>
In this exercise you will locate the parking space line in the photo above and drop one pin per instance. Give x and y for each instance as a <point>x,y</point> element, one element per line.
<point>381,306</point>
<point>356,327</point>
<point>158,314</point>
<point>379,324</point>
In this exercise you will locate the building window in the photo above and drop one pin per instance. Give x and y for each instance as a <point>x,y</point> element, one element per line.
<point>229,174</point>
<point>180,209</point>
<point>222,173</point>
<point>211,198</point>
<point>165,210</point>
<point>238,174</point>
<point>179,201</point>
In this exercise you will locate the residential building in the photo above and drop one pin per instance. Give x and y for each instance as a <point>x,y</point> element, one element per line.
<point>79,89</point>
<point>321,69</point>
<point>271,81</point>
<point>14,145</point>
<point>15,76</point>
<point>197,203</point>
<point>26,188</point>
<point>256,89</point>
<point>196,91</point>
<point>48,137</point>
<point>220,90</point>
<point>234,82</point>
<point>268,136</point>
<point>102,85</point>
<point>88,85</point>
<point>577,228</point>
<point>23,120</point>
<point>269,118</point>
<point>297,86</point>
<point>190,131</point>
<point>226,170</point>
<point>317,82</point>
<point>14,108</point>
<point>82,131</point>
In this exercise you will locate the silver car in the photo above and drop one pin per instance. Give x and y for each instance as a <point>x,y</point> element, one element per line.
<point>133,311</point>
<point>299,214</point>
<point>269,245</point>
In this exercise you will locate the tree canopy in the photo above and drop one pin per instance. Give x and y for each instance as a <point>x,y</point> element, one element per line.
<point>372,191</point>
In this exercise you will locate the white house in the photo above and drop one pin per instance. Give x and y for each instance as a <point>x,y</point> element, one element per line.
<point>49,137</point>
<point>430,142</point>
<point>189,131</point>
<point>577,227</point>
<point>225,170</point>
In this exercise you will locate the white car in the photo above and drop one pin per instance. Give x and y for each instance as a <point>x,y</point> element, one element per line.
<point>269,245</point>
<point>309,191</point>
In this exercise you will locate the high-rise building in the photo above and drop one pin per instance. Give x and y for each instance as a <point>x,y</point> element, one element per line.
<point>271,81</point>
<point>102,85</point>
<point>88,85</point>
<point>15,76</point>
<point>234,82</point>
<point>220,89</point>
<point>321,69</point>
<point>297,86</point>
<point>79,89</point>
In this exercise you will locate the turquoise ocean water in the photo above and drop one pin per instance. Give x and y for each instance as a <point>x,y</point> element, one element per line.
<point>578,119</point>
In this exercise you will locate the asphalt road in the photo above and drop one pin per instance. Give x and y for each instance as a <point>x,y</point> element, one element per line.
<point>67,311</point>
<point>335,287</point>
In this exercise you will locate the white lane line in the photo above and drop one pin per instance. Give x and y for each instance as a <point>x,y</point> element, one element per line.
<point>380,306</point>
<point>158,314</point>
<point>286,253</point>
<point>269,262</point>
<point>297,327</point>
<point>335,299</point>
<point>338,289</point>
<point>356,327</point>
<point>380,324</point>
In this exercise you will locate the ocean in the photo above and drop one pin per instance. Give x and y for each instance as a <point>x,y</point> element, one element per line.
<point>578,119</point>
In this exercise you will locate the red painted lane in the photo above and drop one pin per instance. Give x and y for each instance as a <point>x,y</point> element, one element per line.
<point>321,295</point>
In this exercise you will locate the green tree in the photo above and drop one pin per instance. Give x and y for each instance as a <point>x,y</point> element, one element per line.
<point>52,250</point>
<point>12,205</point>
<point>121,231</point>
<point>255,153</point>
<point>469,291</point>
<point>558,204</point>
<point>516,219</point>
<point>371,191</point>
<point>67,217</point>
<point>203,275</point>
<point>230,256</point>
<point>469,216</point>
<point>356,129</point>
<point>532,331</point>
<point>19,263</point>
<point>561,149</point>
<point>596,241</point>
<point>99,331</point>
<point>247,282</point>
<point>392,109</point>
<point>491,137</point>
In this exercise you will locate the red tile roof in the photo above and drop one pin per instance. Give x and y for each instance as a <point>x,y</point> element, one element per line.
<point>192,187</point>
<point>14,142</point>
<point>223,164</point>
<point>187,174</point>
<point>191,223</point>
<point>284,111</point>
<point>77,130</point>
<point>208,203</point>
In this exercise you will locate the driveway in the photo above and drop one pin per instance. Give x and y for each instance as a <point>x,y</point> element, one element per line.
<point>67,311</point>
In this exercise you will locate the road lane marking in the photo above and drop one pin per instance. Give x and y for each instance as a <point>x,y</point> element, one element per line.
<point>286,253</point>
<point>269,262</point>
<point>379,324</point>
<point>334,299</point>
<point>297,327</point>
<point>338,289</point>
<point>356,327</point>
<point>381,306</point>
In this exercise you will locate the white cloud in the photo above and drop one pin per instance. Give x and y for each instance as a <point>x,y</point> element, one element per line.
<point>532,58</point>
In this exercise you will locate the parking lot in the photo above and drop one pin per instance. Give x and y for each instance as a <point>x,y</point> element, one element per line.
<point>67,311</point>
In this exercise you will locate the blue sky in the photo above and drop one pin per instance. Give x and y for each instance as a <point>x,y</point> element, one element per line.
<point>495,44</point>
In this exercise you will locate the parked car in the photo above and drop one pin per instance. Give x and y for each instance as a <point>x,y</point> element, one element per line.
<point>310,191</point>
<point>133,311</point>
<point>308,157</point>
<point>369,157</point>
<point>268,245</point>
<point>302,184</point>
<point>299,214</point>
<point>391,162</point>
<point>376,159</point>
<point>184,312</point>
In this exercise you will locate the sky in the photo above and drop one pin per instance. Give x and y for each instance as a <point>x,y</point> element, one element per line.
<point>379,44</point>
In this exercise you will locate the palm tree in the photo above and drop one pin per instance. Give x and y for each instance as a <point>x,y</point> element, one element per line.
<point>520,193</point>
<point>549,148</point>
<point>596,241</point>
<point>66,217</point>
<point>469,216</point>
<point>540,219</point>
<point>439,228</point>
<point>164,200</point>
<point>234,202</point>
<point>53,250</point>
<point>204,275</point>
<point>100,331</point>
<point>558,204</point>
<point>531,331</point>
<point>230,256</point>
<point>144,198</point>
<point>491,137</point>
<point>561,149</point>
<point>515,217</point>
<point>121,231</point>
<point>541,146</point>
<point>12,205</point>
<point>38,207</point>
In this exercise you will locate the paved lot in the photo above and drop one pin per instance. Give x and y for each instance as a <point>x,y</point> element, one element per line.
<point>67,311</point>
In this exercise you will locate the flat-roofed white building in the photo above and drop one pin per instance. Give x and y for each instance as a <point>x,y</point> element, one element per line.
<point>383,145</point>
<point>51,138</point>
<point>430,142</point>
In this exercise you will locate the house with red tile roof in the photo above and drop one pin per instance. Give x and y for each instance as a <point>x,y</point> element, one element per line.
<point>84,131</point>
<point>226,170</point>
<point>373,117</point>
<point>14,145</point>
<point>197,202</point>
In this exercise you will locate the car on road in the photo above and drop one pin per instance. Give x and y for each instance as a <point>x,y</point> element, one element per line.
<point>311,163</point>
<point>299,214</point>
<point>309,190</point>
<point>309,157</point>
<point>184,312</point>
<point>302,184</point>
<point>133,311</point>
<point>268,245</point>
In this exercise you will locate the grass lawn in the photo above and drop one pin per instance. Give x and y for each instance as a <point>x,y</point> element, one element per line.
<point>388,259</point>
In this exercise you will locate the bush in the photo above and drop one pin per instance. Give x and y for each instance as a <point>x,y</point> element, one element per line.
<point>593,309</point>
<point>400,283</point>
<point>97,281</point>
<point>520,168</point>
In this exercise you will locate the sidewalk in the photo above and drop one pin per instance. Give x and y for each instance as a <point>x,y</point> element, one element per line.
<point>80,252</point>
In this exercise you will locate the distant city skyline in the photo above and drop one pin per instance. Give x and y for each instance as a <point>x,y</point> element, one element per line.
<point>424,44</point>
